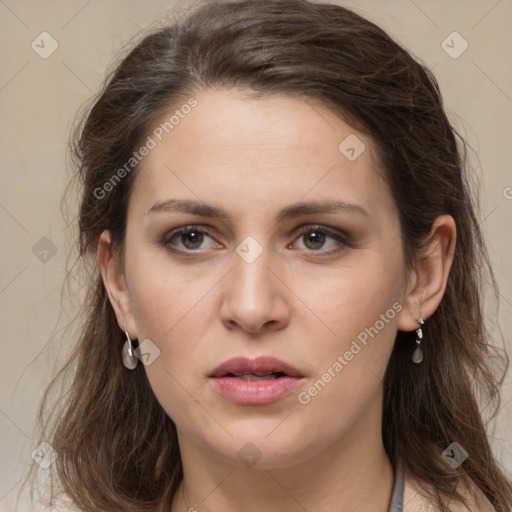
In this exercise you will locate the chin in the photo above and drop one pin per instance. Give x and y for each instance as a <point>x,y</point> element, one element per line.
<point>264,451</point>
<point>254,456</point>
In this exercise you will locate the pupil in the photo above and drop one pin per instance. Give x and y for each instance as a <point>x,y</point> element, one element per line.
<point>192,235</point>
<point>320,238</point>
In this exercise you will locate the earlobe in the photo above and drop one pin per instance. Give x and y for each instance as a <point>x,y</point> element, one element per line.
<point>428,279</point>
<point>115,284</point>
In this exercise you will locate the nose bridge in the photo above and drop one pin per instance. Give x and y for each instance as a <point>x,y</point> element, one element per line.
<point>253,296</point>
<point>251,274</point>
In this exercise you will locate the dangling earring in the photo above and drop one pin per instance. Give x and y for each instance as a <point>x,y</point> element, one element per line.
<point>417,355</point>
<point>129,359</point>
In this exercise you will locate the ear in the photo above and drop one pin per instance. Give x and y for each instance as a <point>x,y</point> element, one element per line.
<point>115,284</point>
<point>427,282</point>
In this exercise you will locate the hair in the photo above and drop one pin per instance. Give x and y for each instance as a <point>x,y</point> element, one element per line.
<point>117,448</point>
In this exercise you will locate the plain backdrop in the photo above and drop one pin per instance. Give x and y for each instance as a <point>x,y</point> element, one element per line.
<point>40,95</point>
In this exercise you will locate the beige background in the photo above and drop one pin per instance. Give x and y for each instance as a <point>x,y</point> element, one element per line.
<point>39,98</point>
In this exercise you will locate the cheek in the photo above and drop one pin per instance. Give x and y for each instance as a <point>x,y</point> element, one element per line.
<point>353,344</point>
<point>167,314</point>
<point>162,293</point>
<point>345,300</point>
<point>351,363</point>
<point>172,306</point>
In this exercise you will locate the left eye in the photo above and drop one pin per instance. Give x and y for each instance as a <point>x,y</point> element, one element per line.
<point>316,236</point>
<point>192,237</point>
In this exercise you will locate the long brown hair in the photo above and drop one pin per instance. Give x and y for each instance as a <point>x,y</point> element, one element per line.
<point>117,448</point>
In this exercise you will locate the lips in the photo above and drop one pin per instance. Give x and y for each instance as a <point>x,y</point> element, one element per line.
<point>259,381</point>
<point>261,366</point>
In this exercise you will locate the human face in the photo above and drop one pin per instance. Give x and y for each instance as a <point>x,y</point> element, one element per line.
<point>306,299</point>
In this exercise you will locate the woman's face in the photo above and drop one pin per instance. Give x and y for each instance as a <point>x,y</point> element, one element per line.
<point>318,290</point>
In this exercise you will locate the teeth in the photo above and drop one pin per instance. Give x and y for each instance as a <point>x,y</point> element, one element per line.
<point>263,376</point>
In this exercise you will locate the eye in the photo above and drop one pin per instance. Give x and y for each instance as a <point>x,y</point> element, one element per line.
<point>315,238</point>
<point>191,238</point>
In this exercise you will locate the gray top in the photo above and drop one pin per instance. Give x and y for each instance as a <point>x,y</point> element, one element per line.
<point>397,496</point>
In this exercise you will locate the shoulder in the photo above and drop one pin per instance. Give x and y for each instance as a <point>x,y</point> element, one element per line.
<point>415,499</point>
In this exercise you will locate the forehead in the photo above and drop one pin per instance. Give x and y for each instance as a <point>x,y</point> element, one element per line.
<point>248,152</point>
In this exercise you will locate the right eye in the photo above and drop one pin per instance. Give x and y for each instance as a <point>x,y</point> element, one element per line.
<point>191,238</point>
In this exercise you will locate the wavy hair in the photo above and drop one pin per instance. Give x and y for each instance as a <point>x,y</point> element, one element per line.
<point>117,448</point>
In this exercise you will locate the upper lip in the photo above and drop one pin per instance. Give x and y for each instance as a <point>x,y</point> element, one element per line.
<point>262,364</point>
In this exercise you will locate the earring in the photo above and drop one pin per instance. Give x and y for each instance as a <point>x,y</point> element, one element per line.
<point>129,359</point>
<point>417,355</point>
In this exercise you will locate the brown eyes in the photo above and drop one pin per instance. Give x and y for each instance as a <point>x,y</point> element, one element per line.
<point>314,238</point>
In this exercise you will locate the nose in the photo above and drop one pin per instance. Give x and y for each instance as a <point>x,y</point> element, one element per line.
<point>254,297</point>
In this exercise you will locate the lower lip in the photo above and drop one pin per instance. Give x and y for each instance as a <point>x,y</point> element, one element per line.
<point>254,392</point>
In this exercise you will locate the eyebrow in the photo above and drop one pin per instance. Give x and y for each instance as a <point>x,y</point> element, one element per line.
<point>295,210</point>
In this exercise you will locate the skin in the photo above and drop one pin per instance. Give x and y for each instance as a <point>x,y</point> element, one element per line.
<point>254,157</point>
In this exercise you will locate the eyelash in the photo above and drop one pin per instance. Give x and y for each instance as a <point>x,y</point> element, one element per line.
<point>317,228</point>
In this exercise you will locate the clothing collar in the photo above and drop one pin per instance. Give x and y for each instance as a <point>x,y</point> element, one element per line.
<point>397,495</point>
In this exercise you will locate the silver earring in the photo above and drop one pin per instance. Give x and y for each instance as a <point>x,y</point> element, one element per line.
<point>129,359</point>
<point>417,355</point>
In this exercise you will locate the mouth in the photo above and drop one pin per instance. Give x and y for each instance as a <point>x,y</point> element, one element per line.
<point>261,368</point>
<point>256,376</point>
<point>255,381</point>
